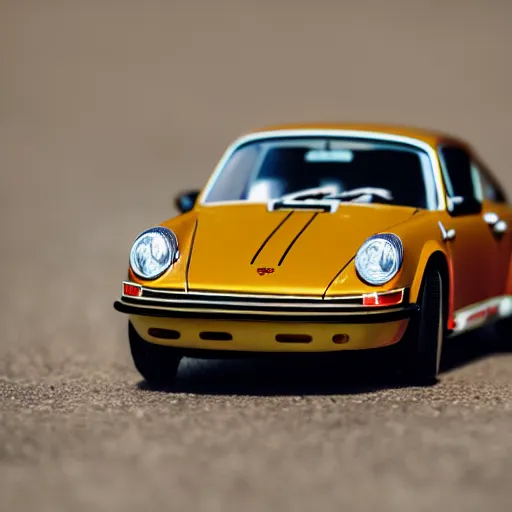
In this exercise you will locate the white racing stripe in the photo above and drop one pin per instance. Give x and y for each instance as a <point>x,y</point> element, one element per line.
<point>477,315</point>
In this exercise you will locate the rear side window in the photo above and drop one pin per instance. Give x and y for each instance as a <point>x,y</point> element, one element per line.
<point>491,190</point>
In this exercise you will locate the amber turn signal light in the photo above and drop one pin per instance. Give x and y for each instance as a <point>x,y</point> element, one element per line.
<point>383,299</point>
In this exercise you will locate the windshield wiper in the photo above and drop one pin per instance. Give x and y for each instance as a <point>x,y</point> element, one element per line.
<point>305,199</point>
<point>309,193</point>
<point>325,198</point>
<point>384,193</point>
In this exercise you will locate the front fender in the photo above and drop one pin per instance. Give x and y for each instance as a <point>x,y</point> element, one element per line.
<point>433,250</point>
<point>429,249</point>
<point>422,240</point>
<point>409,276</point>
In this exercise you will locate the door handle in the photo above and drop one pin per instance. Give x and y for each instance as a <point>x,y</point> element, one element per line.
<point>491,218</point>
<point>500,227</point>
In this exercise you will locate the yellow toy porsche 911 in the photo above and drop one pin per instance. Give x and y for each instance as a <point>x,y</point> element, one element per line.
<point>324,238</point>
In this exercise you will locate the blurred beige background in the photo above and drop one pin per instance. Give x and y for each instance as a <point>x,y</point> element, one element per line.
<point>108,108</point>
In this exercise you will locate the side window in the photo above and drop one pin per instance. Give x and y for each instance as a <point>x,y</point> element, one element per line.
<point>458,173</point>
<point>490,189</point>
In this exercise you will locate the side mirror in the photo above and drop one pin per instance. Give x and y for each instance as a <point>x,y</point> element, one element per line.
<point>186,201</point>
<point>459,205</point>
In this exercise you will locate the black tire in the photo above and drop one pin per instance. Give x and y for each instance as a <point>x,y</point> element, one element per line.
<point>502,332</point>
<point>419,351</point>
<point>158,364</point>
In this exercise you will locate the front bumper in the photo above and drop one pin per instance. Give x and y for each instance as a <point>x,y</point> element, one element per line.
<point>214,321</point>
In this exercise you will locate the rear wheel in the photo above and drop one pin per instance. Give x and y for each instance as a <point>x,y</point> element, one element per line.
<point>419,352</point>
<point>158,364</point>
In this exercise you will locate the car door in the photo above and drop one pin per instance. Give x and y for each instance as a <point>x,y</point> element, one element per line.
<point>473,249</point>
<point>497,214</point>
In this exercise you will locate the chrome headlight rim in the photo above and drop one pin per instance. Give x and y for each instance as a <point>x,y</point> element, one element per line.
<point>171,242</point>
<point>398,247</point>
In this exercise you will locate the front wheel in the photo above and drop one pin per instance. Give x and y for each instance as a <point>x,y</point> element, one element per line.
<point>158,364</point>
<point>419,351</point>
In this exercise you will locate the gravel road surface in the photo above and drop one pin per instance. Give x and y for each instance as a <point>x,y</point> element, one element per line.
<point>107,110</point>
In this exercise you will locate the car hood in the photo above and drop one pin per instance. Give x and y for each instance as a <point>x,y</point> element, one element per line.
<point>248,249</point>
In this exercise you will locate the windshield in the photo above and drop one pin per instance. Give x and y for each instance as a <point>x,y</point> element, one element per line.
<point>267,169</point>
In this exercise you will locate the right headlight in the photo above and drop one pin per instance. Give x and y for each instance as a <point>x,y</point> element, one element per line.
<point>154,251</point>
<point>379,259</point>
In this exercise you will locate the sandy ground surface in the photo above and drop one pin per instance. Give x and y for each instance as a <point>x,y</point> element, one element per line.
<point>107,109</point>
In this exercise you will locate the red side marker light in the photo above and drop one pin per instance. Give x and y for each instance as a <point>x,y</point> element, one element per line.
<point>493,310</point>
<point>132,290</point>
<point>383,299</point>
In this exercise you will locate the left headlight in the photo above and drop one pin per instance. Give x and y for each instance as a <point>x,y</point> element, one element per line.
<point>379,258</point>
<point>153,252</point>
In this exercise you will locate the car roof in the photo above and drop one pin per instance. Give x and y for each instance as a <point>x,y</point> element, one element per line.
<point>431,137</point>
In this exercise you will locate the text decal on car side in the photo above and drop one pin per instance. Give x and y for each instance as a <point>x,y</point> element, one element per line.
<point>263,270</point>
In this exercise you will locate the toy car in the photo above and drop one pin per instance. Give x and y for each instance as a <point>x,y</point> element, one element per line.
<point>324,238</point>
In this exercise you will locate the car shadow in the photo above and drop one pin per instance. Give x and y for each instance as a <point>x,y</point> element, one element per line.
<point>350,373</point>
